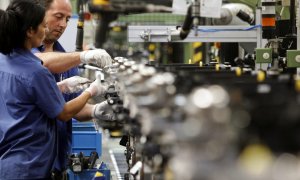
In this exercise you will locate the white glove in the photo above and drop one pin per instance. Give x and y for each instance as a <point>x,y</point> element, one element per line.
<point>73,84</point>
<point>99,57</point>
<point>103,111</point>
<point>96,88</point>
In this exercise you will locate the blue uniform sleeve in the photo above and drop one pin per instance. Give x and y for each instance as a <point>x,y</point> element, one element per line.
<point>47,95</point>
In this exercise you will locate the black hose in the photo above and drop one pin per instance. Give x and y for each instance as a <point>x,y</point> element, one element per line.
<point>187,24</point>
<point>80,31</point>
<point>292,29</point>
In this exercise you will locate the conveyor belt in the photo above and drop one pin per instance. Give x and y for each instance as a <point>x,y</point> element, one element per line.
<point>119,162</point>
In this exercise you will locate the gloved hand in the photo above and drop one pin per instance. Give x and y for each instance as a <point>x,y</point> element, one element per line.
<point>73,84</point>
<point>99,57</point>
<point>103,111</point>
<point>96,88</point>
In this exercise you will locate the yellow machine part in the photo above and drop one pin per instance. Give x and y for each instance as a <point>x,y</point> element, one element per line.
<point>100,2</point>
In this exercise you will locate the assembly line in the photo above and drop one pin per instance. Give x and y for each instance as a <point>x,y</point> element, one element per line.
<point>189,90</point>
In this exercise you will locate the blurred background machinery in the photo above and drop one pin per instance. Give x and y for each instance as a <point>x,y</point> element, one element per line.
<point>188,122</point>
<point>230,115</point>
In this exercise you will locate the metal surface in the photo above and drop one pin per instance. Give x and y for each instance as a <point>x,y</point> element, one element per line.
<point>205,33</point>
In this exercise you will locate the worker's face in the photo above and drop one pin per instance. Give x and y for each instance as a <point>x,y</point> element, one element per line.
<point>36,37</point>
<point>57,18</point>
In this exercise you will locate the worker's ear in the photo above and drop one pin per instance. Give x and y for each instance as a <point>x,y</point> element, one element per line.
<point>30,32</point>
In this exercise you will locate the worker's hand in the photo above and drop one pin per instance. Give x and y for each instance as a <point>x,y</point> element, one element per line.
<point>98,57</point>
<point>73,84</point>
<point>96,88</point>
<point>103,112</point>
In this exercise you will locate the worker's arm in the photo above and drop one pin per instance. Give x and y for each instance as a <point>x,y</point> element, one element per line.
<point>58,62</point>
<point>100,111</point>
<point>85,113</point>
<point>74,106</point>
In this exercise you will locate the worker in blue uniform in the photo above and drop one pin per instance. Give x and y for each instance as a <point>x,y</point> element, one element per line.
<point>63,65</point>
<point>30,100</point>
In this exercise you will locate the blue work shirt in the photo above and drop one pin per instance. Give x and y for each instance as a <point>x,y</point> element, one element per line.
<point>64,128</point>
<point>29,103</point>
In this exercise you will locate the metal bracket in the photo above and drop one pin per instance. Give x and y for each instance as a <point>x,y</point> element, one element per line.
<point>147,35</point>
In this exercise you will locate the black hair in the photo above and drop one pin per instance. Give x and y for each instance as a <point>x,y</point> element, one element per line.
<point>20,16</point>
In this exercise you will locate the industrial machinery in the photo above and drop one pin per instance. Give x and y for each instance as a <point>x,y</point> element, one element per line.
<point>109,10</point>
<point>212,120</point>
<point>188,122</point>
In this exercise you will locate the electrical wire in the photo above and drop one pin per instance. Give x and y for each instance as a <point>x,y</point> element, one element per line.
<point>220,30</point>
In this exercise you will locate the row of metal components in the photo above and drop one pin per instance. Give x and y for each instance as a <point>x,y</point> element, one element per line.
<point>189,122</point>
